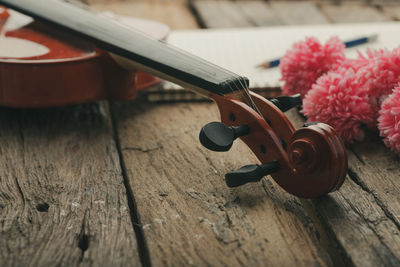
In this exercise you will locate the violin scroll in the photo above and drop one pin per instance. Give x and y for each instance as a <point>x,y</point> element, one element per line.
<point>308,162</point>
<point>318,161</point>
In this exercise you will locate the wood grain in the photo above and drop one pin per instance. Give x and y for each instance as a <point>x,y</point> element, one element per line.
<point>298,12</point>
<point>352,12</point>
<point>375,169</point>
<point>259,13</point>
<point>392,11</point>
<point>188,215</point>
<point>62,196</point>
<point>366,236</point>
<point>220,14</point>
<point>226,14</point>
<point>173,13</point>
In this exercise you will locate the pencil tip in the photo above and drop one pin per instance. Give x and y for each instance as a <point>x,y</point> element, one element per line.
<point>373,37</point>
<point>264,65</point>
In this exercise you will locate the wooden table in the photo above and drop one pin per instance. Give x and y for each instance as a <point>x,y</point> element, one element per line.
<point>128,184</point>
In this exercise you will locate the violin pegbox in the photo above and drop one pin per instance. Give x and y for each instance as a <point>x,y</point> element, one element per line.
<point>308,162</point>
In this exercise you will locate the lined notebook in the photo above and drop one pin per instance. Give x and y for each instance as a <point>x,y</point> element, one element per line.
<point>241,50</point>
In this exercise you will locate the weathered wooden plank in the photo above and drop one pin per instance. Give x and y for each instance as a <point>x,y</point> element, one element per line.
<point>188,214</point>
<point>392,11</point>
<point>362,218</point>
<point>173,13</point>
<point>298,13</point>
<point>220,14</point>
<point>62,195</point>
<point>366,236</point>
<point>376,169</point>
<point>352,12</point>
<point>258,13</point>
<point>227,14</point>
<point>383,3</point>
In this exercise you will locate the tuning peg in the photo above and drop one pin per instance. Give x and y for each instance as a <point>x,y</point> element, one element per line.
<point>250,173</point>
<point>284,103</point>
<point>217,136</point>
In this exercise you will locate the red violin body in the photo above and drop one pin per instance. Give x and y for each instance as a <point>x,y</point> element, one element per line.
<point>73,71</point>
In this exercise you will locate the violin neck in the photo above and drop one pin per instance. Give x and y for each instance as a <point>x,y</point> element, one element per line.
<point>143,53</point>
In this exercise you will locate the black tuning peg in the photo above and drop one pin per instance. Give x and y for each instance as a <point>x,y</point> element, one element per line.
<point>284,103</point>
<point>217,136</point>
<point>250,173</point>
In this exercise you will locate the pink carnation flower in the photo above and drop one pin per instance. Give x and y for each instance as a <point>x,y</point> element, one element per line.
<point>389,121</point>
<point>302,65</point>
<point>357,63</point>
<point>382,73</point>
<point>340,100</point>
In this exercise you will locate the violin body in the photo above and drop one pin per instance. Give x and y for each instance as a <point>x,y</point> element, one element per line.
<point>72,71</point>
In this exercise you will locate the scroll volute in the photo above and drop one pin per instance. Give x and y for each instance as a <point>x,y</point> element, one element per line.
<point>312,160</point>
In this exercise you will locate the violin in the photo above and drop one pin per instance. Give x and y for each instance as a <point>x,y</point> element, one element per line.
<point>308,162</point>
<point>47,67</point>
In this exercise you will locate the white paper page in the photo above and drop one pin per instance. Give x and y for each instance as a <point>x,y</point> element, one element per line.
<point>241,50</point>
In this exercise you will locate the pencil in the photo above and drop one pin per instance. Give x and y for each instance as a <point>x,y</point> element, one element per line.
<point>355,42</point>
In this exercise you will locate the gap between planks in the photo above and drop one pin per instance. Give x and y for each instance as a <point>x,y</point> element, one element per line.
<point>134,215</point>
<point>66,188</point>
<point>186,208</point>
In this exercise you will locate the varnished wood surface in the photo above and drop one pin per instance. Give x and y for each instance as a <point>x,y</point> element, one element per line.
<point>133,186</point>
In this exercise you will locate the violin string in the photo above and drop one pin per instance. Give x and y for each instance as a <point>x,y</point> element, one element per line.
<point>237,78</point>
<point>247,91</point>
<point>248,100</point>
<point>240,88</point>
<point>243,85</point>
